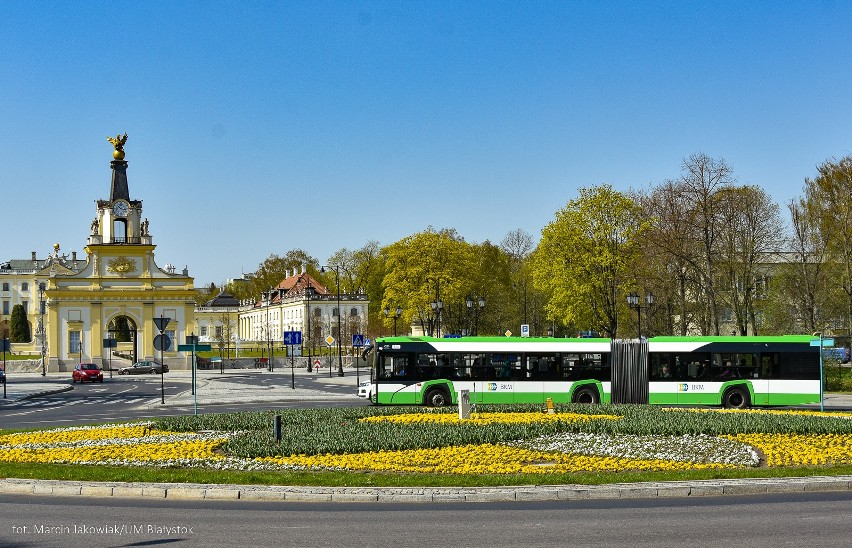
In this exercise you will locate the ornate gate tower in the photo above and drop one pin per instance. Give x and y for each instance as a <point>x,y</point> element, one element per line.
<point>120,291</point>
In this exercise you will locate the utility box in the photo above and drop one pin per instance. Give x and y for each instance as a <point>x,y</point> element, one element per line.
<point>464,404</point>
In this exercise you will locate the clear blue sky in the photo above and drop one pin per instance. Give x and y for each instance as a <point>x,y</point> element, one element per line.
<point>258,127</point>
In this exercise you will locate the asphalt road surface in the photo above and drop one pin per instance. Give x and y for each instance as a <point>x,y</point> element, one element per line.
<point>136,397</point>
<point>771,521</point>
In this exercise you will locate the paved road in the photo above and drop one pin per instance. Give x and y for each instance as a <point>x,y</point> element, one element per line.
<point>756,521</point>
<point>34,401</point>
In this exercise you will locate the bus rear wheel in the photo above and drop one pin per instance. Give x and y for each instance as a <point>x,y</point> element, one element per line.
<point>437,397</point>
<point>736,398</point>
<point>586,395</point>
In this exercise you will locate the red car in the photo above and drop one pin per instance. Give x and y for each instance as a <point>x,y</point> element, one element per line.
<point>87,372</point>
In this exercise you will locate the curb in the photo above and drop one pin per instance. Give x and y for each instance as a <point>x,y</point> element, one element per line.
<point>195,491</point>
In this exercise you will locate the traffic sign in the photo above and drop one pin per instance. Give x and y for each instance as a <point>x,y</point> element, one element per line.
<point>161,323</point>
<point>329,340</point>
<point>357,340</point>
<point>293,337</point>
<point>162,342</point>
<point>508,333</point>
<point>824,342</point>
<point>525,330</point>
<point>194,348</point>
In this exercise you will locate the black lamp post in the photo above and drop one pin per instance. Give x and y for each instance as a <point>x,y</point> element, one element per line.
<point>43,330</point>
<point>633,302</point>
<point>339,319</point>
<point>308,292</point>
<point>397,314</point>
<point>481,304</point>
<point>437,306</point>
<point>269,342</point>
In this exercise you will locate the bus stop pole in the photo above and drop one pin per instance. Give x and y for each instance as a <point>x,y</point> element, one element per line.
<point>821,377</point>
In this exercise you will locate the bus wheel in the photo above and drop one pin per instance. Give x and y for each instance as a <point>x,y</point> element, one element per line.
<point>736,398</point>
<point>586,395</point>
<point>437,397</point>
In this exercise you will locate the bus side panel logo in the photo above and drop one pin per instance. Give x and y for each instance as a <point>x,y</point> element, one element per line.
<point>683,387</point>
<point>492,386</point>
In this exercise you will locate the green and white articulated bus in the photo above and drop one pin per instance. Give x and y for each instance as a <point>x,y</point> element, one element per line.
<point>735,372</point>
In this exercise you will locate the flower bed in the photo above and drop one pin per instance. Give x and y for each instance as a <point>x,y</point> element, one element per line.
<point>610,438</point>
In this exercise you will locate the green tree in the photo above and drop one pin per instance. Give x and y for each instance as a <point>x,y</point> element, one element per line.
<point>491,277</point>
<point>120,328</point>
<point>424,268</point>
<point>270,273</point>
<point>586,260</point>
<point>20,327</point>
<point>827,196</point>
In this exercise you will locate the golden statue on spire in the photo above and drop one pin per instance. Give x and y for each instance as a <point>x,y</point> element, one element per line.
<point>118,142</point>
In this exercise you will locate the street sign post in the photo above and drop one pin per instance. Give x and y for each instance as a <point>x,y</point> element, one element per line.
<point>821,342</point>
<point>161,343</point>
<point>4,344</point>
<point>329,341</point>
<point>109,344</point>
<point>193,346</point>
<point>291,339</point>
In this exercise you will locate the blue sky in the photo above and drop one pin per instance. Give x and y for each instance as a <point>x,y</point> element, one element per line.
<point>258,127</point>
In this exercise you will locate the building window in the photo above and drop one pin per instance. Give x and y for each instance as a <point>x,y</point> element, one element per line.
<point>6,308</point>
<point>25,286</point>
<point>353,312</point>
<point>5,286</point>
<point>26,306</point>
<point>74,342</point>
<point>203,330</point>
<point>219,331</point>
<point>171,340</point>
<point>335,312</point>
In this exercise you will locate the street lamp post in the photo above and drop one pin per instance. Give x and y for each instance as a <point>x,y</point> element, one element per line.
<point>397,314</point>
<point>481,304</point>
<point>633,302</point>
<point>269,332</point>
<point>339,319</point>
<point>43,330</point>
<point>308,292</point>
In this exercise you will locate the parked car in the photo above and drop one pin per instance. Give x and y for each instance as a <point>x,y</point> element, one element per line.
<point>144,367</point>
<point>87,372</point>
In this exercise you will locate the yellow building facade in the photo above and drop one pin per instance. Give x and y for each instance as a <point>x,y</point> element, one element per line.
<point>120,292</point>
